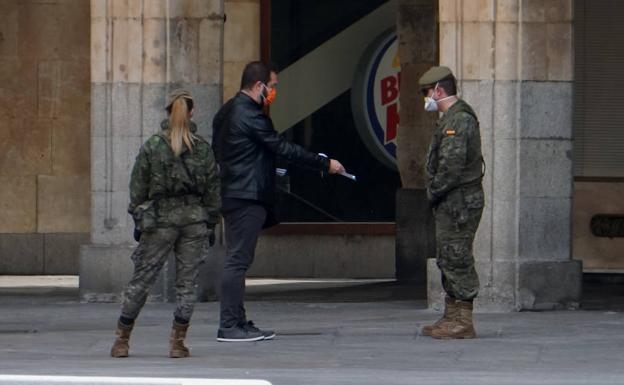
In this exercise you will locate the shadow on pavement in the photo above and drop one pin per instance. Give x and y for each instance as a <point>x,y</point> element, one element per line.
<point>603,292</point>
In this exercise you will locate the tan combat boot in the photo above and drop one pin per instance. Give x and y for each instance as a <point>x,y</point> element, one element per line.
<point>460,328</point>
<point>450,312</point>
<point>120,346</point>
<point>176,341</point>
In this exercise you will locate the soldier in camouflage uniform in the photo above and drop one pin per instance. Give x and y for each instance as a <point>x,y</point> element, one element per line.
<point>454,172</point>
<point>174,200</point>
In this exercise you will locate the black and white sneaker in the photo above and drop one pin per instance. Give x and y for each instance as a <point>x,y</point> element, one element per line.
<point>239,333</point>
<point>268,334</point>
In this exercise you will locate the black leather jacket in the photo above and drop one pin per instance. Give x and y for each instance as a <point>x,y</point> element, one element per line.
<point>246,146</point>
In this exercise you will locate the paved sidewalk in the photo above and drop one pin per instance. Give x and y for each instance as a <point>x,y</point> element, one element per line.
<point>338,343</point>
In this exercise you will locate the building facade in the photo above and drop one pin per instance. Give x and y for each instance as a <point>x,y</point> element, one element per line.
<point>84,85</point>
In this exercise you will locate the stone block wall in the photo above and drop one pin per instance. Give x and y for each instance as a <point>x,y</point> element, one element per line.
<point>241,41</point>
<point>44,135</point>
<point>415,230</point>
<point>417,33</point>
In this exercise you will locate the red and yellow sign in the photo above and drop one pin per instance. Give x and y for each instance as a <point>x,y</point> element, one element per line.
<point>375,97</point>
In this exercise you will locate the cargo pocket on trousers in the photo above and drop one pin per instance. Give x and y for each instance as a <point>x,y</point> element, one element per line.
<point>456,255</point>
<point>145,216</point>
<point>474,199</point>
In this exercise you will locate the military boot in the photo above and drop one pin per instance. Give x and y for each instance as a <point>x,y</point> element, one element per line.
<point>450,312</point>
<point>460,328</point>
<point>120,346</point>
<point>176,341</point>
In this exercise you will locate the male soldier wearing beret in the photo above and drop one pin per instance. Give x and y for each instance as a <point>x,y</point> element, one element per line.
<point>454,171</point>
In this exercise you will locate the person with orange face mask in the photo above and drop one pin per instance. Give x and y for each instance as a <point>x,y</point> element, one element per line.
<point>268,97</point>
<point>246,146</point>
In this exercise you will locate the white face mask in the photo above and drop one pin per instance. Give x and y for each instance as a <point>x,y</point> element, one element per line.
<point>431,104</point>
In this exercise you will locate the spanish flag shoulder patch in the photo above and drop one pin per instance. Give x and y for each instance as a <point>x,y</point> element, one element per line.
<point>449,132</point>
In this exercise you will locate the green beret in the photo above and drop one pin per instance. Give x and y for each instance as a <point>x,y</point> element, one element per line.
<point>434,75</point>
<point>177,93</point>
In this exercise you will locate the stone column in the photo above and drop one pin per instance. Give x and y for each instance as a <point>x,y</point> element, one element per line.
<point>415,230</point>
<point>241,42</point>
<point>139,51</point>
<point>513,59</point>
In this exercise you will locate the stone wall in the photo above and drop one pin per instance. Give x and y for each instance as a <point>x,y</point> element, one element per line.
<point>241,43</point>
<point>139,52</point>
<point>44,135</point>
<point>418,50</point>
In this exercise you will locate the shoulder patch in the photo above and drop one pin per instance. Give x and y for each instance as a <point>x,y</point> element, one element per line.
<point>450,132</point>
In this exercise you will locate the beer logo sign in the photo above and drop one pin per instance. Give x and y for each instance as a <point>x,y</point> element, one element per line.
<point>375,97</point>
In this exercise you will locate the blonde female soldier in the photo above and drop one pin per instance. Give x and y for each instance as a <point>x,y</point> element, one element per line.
<point>174,200</point>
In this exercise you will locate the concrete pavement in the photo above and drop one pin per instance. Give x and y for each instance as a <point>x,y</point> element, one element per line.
<point>318,342</point>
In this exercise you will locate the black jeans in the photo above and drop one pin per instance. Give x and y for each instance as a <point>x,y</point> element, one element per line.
<point>242,227</point>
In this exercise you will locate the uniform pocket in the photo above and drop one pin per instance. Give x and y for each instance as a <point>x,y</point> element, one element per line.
<point>145,216</point>
<point>455,206</point>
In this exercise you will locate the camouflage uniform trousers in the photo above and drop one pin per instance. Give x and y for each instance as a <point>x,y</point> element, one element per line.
<point>456,226</point>
<point>188,243</point>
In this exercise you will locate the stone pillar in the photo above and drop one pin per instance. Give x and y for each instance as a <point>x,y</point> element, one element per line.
<point>139,51</point>
<point>513,60</point>
<point>241,42</point>
<point>415,230</point>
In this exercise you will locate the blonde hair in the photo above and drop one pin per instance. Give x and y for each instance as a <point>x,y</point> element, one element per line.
<point>179,131</point>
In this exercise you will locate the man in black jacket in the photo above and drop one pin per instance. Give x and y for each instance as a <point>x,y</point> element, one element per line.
<point>246,146</point>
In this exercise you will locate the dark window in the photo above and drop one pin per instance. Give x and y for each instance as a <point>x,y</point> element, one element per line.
<point>297,28</point>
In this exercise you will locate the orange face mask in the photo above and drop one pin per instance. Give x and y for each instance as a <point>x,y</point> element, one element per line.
<point>269,98</point>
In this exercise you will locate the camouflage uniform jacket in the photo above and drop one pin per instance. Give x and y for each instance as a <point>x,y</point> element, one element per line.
<point>454,157</point>
<point>184,190</point>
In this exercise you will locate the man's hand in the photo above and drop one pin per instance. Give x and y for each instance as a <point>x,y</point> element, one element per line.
<point>211,235</point>
<point>136,234</point>
<point>335,167</point>
<point>434,200</point>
